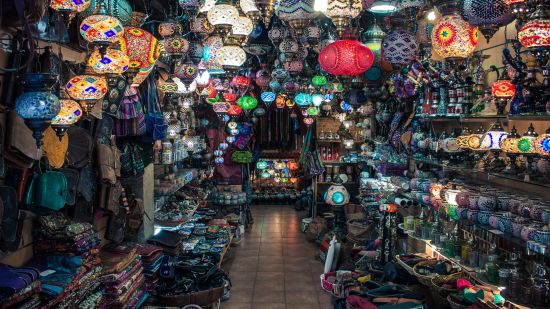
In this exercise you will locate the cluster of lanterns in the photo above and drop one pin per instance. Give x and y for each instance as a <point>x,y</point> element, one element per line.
<point>281,172</point>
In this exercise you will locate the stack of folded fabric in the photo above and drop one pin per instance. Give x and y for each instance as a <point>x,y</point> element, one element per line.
<point>67,256</point>
<point>123,278</point>
<point>171,242</point>
<point>19,287</point>
<point>151,257</point>
<point>56,234</point>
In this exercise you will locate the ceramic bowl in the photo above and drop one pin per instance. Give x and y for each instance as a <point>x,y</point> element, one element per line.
<point>527,230</point>
<point>505,224</point>
<point>486,203</point>
<point>517,226</point>
<point>542,236</point>
<point>462,198</point>
<point>493,220</point>
<point>472,214</point>
<point>503,203</point>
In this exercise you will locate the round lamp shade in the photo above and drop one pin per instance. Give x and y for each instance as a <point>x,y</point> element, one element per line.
<point>336,195</point>
<point>399,47</point>
<point>231,56</point>
<point>176,45</point>
<point>346,57</point>
<point>142,75</point>
<point>503,89</point>
<point>167,29</point>
<point>453,37</point>
<point>343,9</point>
<point>319,80</point>
<point>70,5</point>
<point>141,47</point>
<point>261,165</point>
<point>295,9</point>
<point>234,110</point>
<point>302,99</point>
<point>113,62</point>
<point>488,12</point>
<point>222,14</point>
<point>247,102</point>
<point>87,87</point>
<point>542,144</point>
<point>535,33</point>
<point>242,26</point>
<point>186,71</point>
<point>268,96</point>
<point>101,29</point>
<point>37,105</point>
<point>69,114</point>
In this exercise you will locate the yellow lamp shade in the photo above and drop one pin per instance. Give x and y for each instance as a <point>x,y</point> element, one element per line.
<point>141,47</point>
<point>535,33</point>
<point>70,5</point>
<point>453,37</point>
<point>101,29</point>
<point>87,87</point>
<point>510,145</point>
<point>113,62</point>
<point>503,89</point>
<point>69,114</point>
<point>474,141</point>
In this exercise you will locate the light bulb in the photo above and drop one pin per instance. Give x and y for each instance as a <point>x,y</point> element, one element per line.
<point>320,5</point>
<point>431,15</point>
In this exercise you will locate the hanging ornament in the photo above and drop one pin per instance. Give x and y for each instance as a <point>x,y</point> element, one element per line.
<point>247,102</point>
<point>113,62</point>
<point>169,28</point>
<point>488,15</point>
<point>141,47</point>
<point>535,33</point>
<point>399,47</point>
<point>69,114</point>
<point>219,161</point>
<point>268,97</point>
<point>87,90</point>
<point>234,110</point>
<point>303,100</point>
<point>453,37</point>
<point>341,12</point>
<point>346,57</point>
<point>101,30</point>
<point>298,13</point>
<point>308,121</point>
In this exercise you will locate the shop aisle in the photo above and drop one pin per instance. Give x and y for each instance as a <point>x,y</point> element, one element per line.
<point>274,266</point>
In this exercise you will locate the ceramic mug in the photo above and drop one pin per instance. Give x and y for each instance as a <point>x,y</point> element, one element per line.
<point>486,203</point>
<point>462,198</point>
<point>472,201</point>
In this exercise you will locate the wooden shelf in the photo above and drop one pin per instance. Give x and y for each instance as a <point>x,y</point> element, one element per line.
<point>338,163</point>
<point>344,183</point>
<point>529,118</point>
<point>463,118</point>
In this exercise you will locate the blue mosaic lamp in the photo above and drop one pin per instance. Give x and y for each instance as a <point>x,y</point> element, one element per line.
<point>37,105</point>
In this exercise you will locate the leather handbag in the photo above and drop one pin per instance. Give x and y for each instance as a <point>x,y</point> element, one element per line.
<point>155,123</point>
<point>11,219</point>
<point>51,190</point>
<point>106,163</point>
<point>72,176</point>
<point>80,147</point>
<point>109,197</point>
<point>116,229</point>
<point>21,146</point>
<point>135,217</point>
<point>55,148</point>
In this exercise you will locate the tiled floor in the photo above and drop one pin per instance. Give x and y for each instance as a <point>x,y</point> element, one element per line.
<point>274,266</point>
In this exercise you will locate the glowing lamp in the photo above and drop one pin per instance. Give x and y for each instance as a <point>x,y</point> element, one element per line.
<point>222,17</point>
<point>313,111</point>
<point>76,6</point>
<point>510,143</point>
<point>266,175</point>
<point>102,29</point>
<point>453,37</point>
<point>280,165</point>
<point>231,57</point>
<point>141,47</point>
<point>218,153</point>
<point>492,140</point>
<point>243,26</point>
<point>87,87</point>
<point>542,144</point>
<point>223,146</point>
<point>526,144</point>
<point>240,81</point>
<point>219,161</point>
<point>302,99</point>
<point>474,139</point>
<point>450,196</point>
<point>503,89</point>
<point>536,32</point>
<point>234,110</point>
<point>342,11</point>
<point>292,165</point>
<point>261,165</point>
<point>268,97</point>
<point>399,47</point>
<point>346,57</point>
<point>247,102</point>
<point>318,80</point>
<point>176,45</point>
<point>336,195</point>
<point>280,101</point>
<point>317,99</point>
<point>308,121</point>
<point>113,61</point>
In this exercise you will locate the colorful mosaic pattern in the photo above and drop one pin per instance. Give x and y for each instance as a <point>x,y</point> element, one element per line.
<point>37,105</point>
<point>344,8</point>
<point>488,12</point>
<point>346,57</point>
<point>69,114</point>
<point>70,5</point>
<point>141,47</point>
<point>186,71</point>
<point>87,87</point>
<point>101,29</point>
<point>114,62</point>
<point>535,33</point>
<point>453,37</point>
<point>503,89</point>
<point>169,28</point>
<point>542,144</point>
<point>295,9</point>
<point>176,45</point>
<point>302,99</point>
<point>399,47</point>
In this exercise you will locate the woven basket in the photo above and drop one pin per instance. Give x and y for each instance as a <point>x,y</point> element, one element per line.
<point>357,229</point>
<point>455,305</point>
<point>202,298</point>
<point>437,281</point>
<point>425,280</point>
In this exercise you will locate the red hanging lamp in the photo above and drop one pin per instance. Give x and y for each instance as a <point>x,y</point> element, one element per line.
<point>346,57</point>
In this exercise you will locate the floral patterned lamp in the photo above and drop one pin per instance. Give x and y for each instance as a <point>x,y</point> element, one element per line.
<point>37,105</point>
<point>342,11</point>
<point>142,48</point>
<point>87,90</point>
<point>488,15</point>
<point>542,144</point>
<point>399,47</point>
<point>535,33</point>
<point>526,144</point>
<point>69,114</point>
<point>101,30</point>
<point>113,62</point>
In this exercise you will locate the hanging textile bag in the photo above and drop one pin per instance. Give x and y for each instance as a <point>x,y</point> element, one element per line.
<point>155,123</point>
<point>131,159</point>
<point>130,119</point>
<point>51,190</point>
<point>135,217</point>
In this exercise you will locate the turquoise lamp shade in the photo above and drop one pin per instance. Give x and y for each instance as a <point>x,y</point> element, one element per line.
<point>337,195</point>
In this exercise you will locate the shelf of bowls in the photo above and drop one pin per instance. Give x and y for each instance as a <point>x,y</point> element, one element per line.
<point>276,180</point>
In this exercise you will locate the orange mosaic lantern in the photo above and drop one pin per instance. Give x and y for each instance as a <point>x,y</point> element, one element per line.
<point>292,165</point>
<point>503,89</point>
<point>280,101</point>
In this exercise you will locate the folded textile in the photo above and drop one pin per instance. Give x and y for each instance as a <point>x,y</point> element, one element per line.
<point>117,278</point>
<point>16,299</point>
<point>117,257</point>
<point>14,280</point>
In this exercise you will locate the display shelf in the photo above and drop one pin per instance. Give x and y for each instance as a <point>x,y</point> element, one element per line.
<point>338,163</point>
<point>337,141</point>
<point>529,118</point>
<point>463,118</point>
<point>344,183</point>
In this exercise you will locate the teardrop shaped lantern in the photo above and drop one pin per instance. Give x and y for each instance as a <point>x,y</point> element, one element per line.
<point>454,38</point>
<point>346,57</point>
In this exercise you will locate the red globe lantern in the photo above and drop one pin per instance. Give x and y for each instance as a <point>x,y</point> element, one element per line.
<point>503,89</point>
<point>230,96</point>
<point>240,81</point>
<point>346,57</point>
<point>234,110</point>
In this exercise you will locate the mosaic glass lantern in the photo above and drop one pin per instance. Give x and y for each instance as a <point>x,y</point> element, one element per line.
<point>222,17</point>
<point>268,97</point>
<point>186,71</point>
<point>75,6</point>
<point>240,81</point>
<point>276,34</point>
<point>169,28</point>
<point>141,75</point>
<point>542,144</point>
<point>346,57</point>
<point>279,74</point>
<point>298,13</point>
<point>263,78</point>
<point>293,67</point>
<point>453,37</point>
<point>319,80</point>
<point>231,57</point>
<point>176,45</point>
<point>313,34</point>
<point>87,87</point>
<point>113,61</point>
<point>289,47</point>
<point>37,105</point>
<point>247,102</point>
<point>488,15</point>
<point>526,144</point>
<point>141,47</point>
<point>317,99</point>
<point>308,121</point>
<point>120,9</point>
<point>342,11</point>
<point>399,47</point>
<point>261,165</point>
<point>492,140</point>
<point>474,139</point>
<point>503,89</point>
<point>69,114</point>
<point>336,195</point>
<point>201,26</point>
<point>243,26</point>
<point>101,29</point>
<point>510,143</point>
<point>536,31</point>
<point>303,100</point>
<point>234,110</point>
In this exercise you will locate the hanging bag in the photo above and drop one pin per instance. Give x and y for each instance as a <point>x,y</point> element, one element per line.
<point>130,119</point>
<point>51,190</point>
<point>155,124</point>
